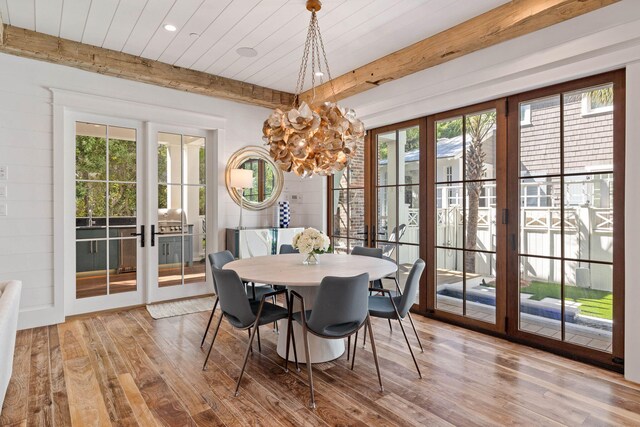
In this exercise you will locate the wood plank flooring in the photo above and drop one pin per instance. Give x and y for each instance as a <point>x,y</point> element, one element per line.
<point>126,369</point>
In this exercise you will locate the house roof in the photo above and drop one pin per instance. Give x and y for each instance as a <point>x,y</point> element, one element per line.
<point>445,147</point>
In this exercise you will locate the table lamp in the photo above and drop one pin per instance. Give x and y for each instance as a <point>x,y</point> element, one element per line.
<point>241,179</point>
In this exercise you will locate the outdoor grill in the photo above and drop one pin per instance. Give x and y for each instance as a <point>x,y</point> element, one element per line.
<point>171,221</point>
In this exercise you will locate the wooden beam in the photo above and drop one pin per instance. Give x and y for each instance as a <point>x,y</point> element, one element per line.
<point>30,44</point>
<point>506,22</point>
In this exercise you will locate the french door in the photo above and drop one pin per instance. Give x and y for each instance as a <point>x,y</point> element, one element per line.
<point>141,211</point>
<point>178,212</point>
<point>397,173</point>
<point>109,221</point>
<point>466,151</point>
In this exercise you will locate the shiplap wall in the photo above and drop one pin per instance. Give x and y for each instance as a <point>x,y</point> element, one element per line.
<point>26,147</point>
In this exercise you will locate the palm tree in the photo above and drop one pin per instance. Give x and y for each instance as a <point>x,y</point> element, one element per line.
<point>478,128</point>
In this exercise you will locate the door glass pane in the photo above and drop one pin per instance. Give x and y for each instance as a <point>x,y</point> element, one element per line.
<point>588,214</point>
<point>386,214</point>
<point>449,150</point>
<point>481,285</point>
<point>91,268</point>
<point>540,304</point>
<point>91,151</point>
<point>356,214</point>
<point>194,161</point>
<point>353,243</point>
<point>480,146</point>
<point>588,299</point>
<point>169,158</point>
<point>356,169</point>
<point>540,216</point>
<point>194,259</point>
<point>194,209</point>
<point>340,246</point>
<point>123,263</point>
<point>408,230</point>
<point>122,154</point>
<point>91,210</point>
<point>449,280</point>
<point>169,260</point>
<point>340,212</point>
<point>480,225</point>
<point>386,157</point>
<point>588,129</point>
<point>449,215</point>
<point>122,204</point>
<point>540,137</point>
<point>409,155</point>
<point>339,178</point>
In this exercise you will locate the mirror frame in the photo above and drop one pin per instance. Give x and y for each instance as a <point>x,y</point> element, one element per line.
<point>253,152</point>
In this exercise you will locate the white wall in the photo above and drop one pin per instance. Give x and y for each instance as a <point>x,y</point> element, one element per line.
<point>601,41</point>
<point>26,147</point>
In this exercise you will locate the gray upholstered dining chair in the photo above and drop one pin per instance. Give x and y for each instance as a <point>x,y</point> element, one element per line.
<point>241,313</point>
<point>340,310</point>
<point>397,307</point>
<point>219,260</point>
<point>288,249</point>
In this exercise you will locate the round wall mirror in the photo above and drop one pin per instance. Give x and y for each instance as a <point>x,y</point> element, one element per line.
<point>267,178</point>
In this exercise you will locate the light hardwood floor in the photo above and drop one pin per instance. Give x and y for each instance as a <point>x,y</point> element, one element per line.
<point>125,369</point>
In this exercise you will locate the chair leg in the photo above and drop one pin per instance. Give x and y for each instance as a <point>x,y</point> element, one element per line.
<point>206,331</point>
<point>348,346</point>
<point>415,332</point>
<point>355,345</point>
<point>246,356</point>
<point>312,404</point>
<point>259,345</point>
<point>409,345</point>
<point>375,353</point>
<point>390,328</point>
<point>215,334</point>
<point>364,338</point>
<point>249,333</point>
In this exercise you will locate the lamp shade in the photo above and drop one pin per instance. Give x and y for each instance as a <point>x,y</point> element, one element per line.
<point>241,178</point>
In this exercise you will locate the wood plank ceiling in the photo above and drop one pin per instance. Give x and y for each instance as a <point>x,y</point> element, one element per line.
<point>356,32</point>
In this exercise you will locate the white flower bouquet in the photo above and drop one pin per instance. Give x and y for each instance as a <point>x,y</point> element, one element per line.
<point>311,242</point>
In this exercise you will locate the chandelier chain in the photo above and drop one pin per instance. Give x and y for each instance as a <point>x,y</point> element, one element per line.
<point>326,62</point>
<point>303,64</point>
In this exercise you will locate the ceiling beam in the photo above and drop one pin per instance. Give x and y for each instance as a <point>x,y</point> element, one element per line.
<point>506,22</point>
<point>30,44</point>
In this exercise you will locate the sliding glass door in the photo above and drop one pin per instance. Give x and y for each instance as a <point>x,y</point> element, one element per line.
<point>566,180</point>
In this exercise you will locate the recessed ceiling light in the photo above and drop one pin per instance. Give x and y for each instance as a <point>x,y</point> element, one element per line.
<point>194,35</point>
<point>246,52</point>
<point>319,73</point>
<point>170,27</point>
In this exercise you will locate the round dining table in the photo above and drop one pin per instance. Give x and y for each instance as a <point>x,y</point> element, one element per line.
<point>288,270</point>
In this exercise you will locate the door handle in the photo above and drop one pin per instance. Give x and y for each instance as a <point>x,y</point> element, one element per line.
<point>141,234</point>
<point>154,234</point>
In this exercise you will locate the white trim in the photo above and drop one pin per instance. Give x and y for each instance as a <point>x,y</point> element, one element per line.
<point>632,226</point>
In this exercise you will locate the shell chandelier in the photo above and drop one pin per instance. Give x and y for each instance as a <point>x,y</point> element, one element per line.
<point>313,138</point>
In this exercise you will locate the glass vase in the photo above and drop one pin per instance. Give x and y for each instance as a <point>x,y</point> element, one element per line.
<point>311,259</point>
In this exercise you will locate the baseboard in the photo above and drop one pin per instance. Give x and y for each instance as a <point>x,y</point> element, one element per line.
<point>39,316</point>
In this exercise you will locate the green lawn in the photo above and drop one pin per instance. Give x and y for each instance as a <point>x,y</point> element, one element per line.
<point>594,303</point>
